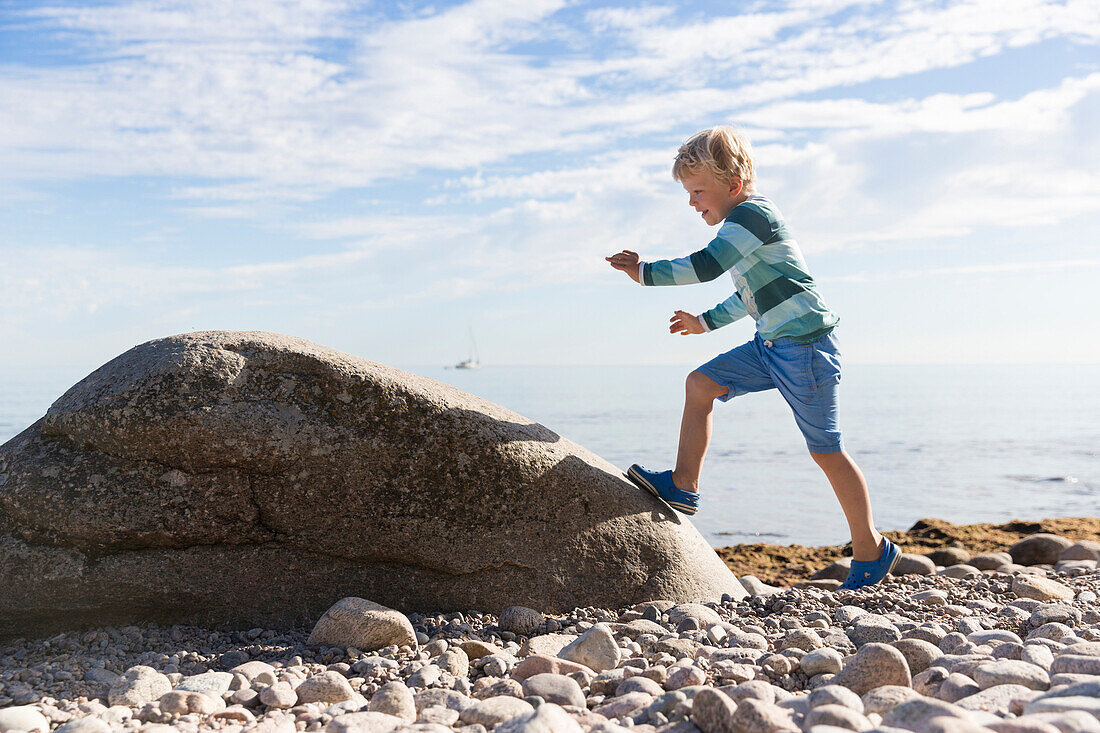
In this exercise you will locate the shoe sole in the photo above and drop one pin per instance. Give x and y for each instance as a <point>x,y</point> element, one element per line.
<point>641,483</point>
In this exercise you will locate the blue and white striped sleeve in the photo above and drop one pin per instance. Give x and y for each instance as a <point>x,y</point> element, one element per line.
<point>723,314</point>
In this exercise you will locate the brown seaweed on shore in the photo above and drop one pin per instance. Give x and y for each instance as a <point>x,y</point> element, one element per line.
<point>787,564</point>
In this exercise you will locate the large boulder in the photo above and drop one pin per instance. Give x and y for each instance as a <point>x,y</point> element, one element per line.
<point>249,478</point>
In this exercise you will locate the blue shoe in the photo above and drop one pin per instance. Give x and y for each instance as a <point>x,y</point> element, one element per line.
<point>868,573</point>
<point>659,483</point>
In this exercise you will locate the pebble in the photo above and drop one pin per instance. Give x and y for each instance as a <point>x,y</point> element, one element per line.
<point>138,685</point>
<point>703,615</point>
<point>361,722</point>
<point>883,699</point>
<point>712,711</point>
<point>1083,550</point>
<point>85,725</point>
<point>623,704</point>
<point>279,695</point>
<point>821,661</point>
<point>1038,549</point>
<point>396,699</point>
<point>872,627</point>
<point>874,665</point>
<point>991,560</point>
<point>1076,664</point>
<point>931,597</point>
<point>455,662</point>
<point>555,688</point>
<point>22,718</point>
<point>956,687</point>
<point>539,663</point>
<point>757,715</point>
<point>1041,589</point>
<point>1011,672</point>
<point>838,716</point>
<point>546,718</point>
<point>998,698</point>
<point>1006,652</point>
<point>962,570</point>
<point>521,620</point>
<point>918,653</point>
<point>328,686</point>
<point>910,564</point>
<point>430,674</point>
<point>494,710</point>
<point>595,649</point>
<point>948,556</point>
<point>847,614</point>
<point>993,636</point>
<point>364,625</point>
<point>914,713</point>
<point>550,644</point>
<point>835,695</point>
<point>213,683</point>
<point>685,677</point>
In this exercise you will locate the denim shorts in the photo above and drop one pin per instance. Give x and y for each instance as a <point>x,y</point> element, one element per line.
<point>806,374</point>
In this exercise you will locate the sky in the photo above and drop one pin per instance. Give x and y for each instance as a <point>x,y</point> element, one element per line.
<point>387,178</point>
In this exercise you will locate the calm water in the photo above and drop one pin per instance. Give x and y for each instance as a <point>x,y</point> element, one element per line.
<point>963,443</point>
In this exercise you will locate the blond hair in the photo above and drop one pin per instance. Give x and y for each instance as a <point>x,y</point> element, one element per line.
<point>723,151</point>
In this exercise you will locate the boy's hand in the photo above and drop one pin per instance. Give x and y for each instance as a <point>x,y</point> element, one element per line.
<point>626,261</point>
<point>684,323</point>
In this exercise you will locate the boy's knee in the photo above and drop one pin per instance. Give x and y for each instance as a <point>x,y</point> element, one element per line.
<point>701,387</point>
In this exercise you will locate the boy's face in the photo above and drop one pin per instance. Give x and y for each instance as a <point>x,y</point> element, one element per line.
<point>712,199</point>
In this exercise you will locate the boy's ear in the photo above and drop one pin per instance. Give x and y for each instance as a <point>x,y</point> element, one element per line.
<point>736,186</point>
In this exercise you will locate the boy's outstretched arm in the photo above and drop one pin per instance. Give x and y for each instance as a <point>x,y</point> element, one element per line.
<point>744,231</point>
<point>628,262</point>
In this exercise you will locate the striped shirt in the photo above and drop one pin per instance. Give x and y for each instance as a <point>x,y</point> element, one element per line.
<point>772,282</point>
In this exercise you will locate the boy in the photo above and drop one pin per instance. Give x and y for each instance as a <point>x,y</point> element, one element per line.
<point>794,351</point>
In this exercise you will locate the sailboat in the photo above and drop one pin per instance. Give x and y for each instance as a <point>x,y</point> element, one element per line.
<point>474,362</point>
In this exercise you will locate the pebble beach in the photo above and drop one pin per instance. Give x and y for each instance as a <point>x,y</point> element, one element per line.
<point>993,641</point>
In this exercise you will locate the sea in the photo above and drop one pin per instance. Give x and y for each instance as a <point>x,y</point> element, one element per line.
<point>965,443</point>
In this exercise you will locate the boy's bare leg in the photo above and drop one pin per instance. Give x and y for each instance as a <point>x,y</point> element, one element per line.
<point>851,489</point>
<point>695,428</point>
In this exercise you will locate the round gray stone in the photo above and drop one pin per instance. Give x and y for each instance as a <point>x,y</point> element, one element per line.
<point>835,695</point>
<point>1039,549</point>
<point>911,564</point>
<point>555,688</point>
<point>520,620</point>
<point>836,715</point>
<point>712,711</point>
<point>546,718</point>
<point>918,653</point>
<point>872,666</point>
<point>494,710</point>
<point>873,628</point>
<point>395,698</point>
<point>883,699</point>
<point>328,686</point>
<point>821,661</point>
<point>595,648</point>
<point>1011,672</point>
<point>89,724</point>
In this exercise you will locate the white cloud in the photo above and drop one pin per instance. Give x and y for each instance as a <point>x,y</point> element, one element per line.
<point>244,95</point>
<point>1037,113</point>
